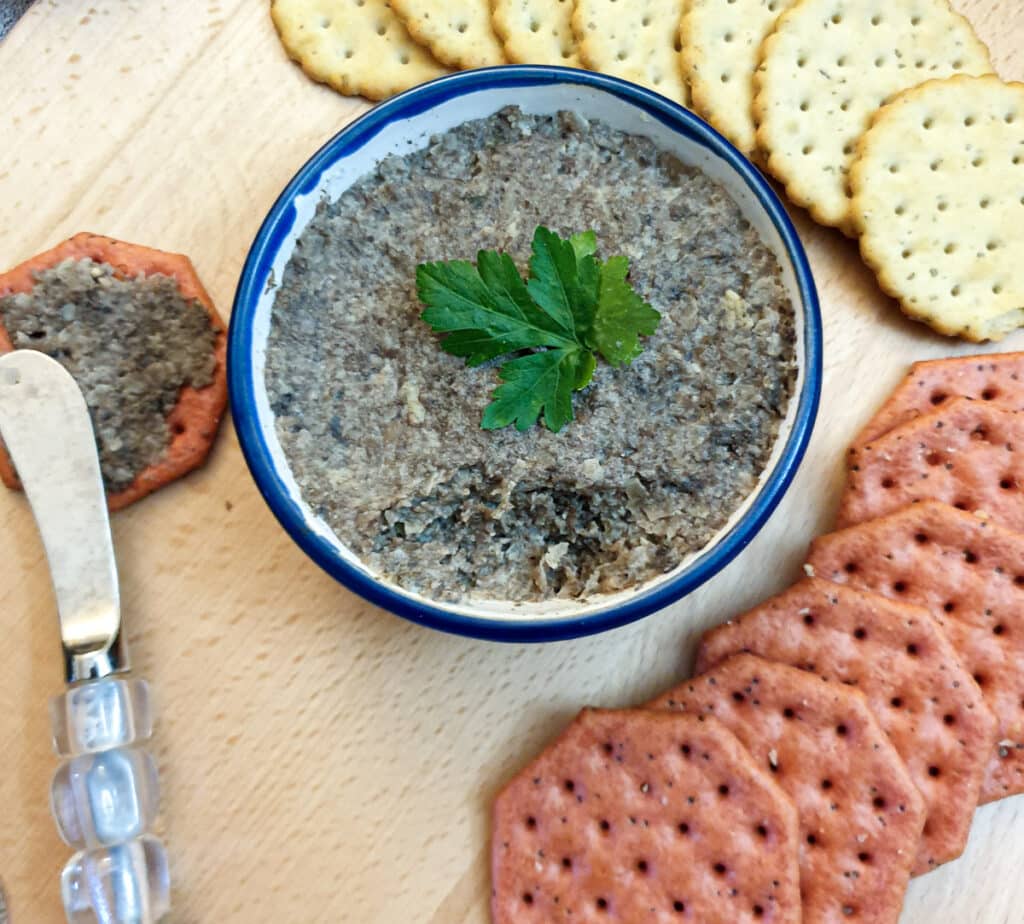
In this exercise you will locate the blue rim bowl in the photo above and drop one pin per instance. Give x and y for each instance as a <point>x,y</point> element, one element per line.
<point>399,123</point>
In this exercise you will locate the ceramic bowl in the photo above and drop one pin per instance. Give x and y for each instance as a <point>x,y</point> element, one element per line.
<point>407,122</point>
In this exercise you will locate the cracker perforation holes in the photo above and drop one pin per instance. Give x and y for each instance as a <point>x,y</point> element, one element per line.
<point>948,606</point>
<point>1019,580</point>
<point>990,394</point>
<point>879,802</point>
<point>934,458</point>
<point>761,831</point>
<point>921,538</point>
<point>999,629</point>
<point>934,772</point>
<point>720,869</point>
<point>788,713</point>
<point>896,702</point>
<point>970,557</point>
<point>569,785</point>
<point>683,828</point>
<point>758,911</point>
<point>949,719</point>
<point>860,633</point>
<point>900,587</point>
<point>602,904</point>
<point>912,650</point>
<point>849,910</point>
<point>851,567</point>
<point>876,20</point>
<point>808,619</point>
<point>566,863</point>
<point>604,825</point>
<point>677,905</point>
<point>888,483</point>
<point>641,866</point>
<point>826,785</point>
<point>527,898</point>
<point>1008,483</point>
<point>462,27</point>
<point>723,790</point>
<point>382,29</point>
<point>531,822</point>
<point>842,731</point>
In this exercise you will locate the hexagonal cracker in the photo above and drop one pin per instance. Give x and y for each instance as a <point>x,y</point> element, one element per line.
<point>861,816</point>
<point>631,813</point>
<point>195,418</point>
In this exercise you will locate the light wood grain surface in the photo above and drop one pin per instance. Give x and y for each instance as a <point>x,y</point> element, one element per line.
<point>323,761</point>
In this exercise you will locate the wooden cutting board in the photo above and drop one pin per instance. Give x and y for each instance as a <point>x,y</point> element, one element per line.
<point>323,761</point>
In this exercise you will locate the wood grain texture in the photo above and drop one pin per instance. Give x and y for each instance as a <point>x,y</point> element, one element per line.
<point>323,761</point>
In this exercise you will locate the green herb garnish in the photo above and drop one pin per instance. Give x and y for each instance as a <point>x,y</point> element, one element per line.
<point>573,307</point>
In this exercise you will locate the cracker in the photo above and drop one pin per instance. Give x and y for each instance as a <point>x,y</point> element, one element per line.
<point>827,68</point>
<point>359,49</point>
<point>938,197</point>
<point>994,377</point>
<point>458,32</point>
<point>860,814</point>
<point>969,573</point>
<point>536,31</point>
<point>650,816</point>
<point>965,453</point>
<point>864,640</point>
<point>195,419</point>
<point>721,49</point>
<point>637,41</point>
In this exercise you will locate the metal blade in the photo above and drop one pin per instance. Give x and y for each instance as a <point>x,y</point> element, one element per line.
<point>46,426</point>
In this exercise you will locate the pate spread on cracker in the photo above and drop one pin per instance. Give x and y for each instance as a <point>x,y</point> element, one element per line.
<point>140,335</point>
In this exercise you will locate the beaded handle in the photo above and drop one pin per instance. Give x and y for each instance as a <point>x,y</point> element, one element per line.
<point>104,798</point>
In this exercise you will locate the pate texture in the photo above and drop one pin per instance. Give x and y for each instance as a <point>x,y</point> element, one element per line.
<point>382,428</point>
<point>131,344</point>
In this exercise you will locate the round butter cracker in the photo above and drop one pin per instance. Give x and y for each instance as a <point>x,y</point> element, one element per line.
<point>638,41</point>
<point>536,31</point>
<point>458,32</point>
<point>721,49</point>
<point>938,197</point>
<point>828,67</point>
<point>359,49</point>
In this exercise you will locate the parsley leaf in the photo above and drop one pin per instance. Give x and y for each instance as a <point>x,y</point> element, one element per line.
<point>573,307</point>
<point>621,316</point>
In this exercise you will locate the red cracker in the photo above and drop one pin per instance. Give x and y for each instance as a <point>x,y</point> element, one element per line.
<point>969,454</point>
<point>995,377</point>
<point>969,573</point>
<point>635,816</point>
<point>860,814</point>
<point>899,658</point>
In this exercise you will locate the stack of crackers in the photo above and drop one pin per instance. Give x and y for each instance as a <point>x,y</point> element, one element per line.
<point>838,737</point>
<point>882,117</point>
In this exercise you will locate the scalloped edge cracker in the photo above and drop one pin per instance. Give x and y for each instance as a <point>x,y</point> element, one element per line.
<point>721,50</point>
<point>458,32</point>
<point>637,40</point>
<point>359,50</point>
<point>827,68</point>
<point>536,31</point>
<point>938,197</point>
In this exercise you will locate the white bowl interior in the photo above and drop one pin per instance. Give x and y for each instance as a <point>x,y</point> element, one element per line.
<point>405,135</point>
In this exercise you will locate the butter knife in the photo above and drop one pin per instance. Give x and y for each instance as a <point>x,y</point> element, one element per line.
<point>104,795</point>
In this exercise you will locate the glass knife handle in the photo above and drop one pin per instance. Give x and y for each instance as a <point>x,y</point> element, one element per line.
<point>104,799</point>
